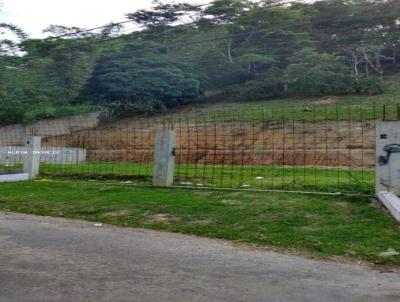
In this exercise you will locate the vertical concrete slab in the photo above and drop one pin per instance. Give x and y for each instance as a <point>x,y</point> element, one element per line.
<point>32,156</point>
<point>391,202</point>
<point>164,159</point>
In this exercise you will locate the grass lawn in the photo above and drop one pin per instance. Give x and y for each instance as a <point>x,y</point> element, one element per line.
<point>314,225</point>
<point>258,177</point>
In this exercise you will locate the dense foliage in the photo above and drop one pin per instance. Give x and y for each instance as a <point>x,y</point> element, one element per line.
<point>144,83</point>
<point>232,48</point>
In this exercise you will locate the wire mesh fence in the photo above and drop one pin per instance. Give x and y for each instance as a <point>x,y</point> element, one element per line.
<point>327,148</point>
<point>301,147</point>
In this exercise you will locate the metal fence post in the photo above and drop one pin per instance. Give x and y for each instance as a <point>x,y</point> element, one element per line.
<point>164,159</point>
<point>32,156</point>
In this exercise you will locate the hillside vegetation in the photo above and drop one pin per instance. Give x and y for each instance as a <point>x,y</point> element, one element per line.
<point>316,108</point>
<point>233,50</point>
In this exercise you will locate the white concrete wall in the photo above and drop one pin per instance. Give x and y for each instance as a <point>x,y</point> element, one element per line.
<point>15,155</point>
<point>14,177</point>
<point>17,133</point>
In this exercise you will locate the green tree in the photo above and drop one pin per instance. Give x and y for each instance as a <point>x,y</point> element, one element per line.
<point>62,66</point>
<point>267,38</point>
<point>313,73</point>
<point>361,30</point>
<point>131,83</point>
<point>8,48</point>
<point>162,15</point>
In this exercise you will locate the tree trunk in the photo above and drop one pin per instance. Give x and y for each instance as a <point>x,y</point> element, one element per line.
<point>229,52</point>
<point>229,46</point>
<point>378,68</point>
<point>378,61</point>
<point>394,61</point>
<point>355,65</point>
<point>285,87</point>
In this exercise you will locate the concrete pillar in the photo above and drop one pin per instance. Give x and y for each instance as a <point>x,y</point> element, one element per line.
<point>32,156</point>
<point>164,159</point>
<point>388,157</point>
